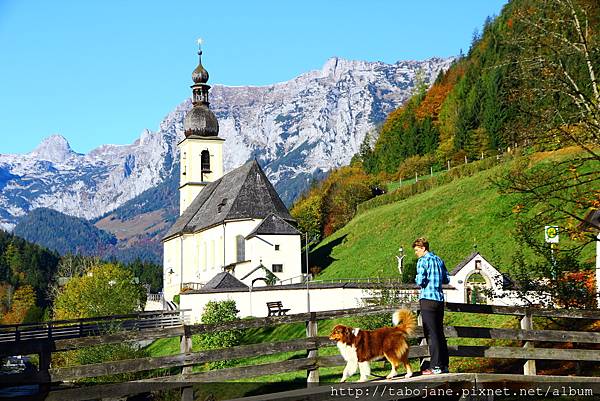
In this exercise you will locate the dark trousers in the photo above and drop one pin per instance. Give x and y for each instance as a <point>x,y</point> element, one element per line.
<point>433,328</point>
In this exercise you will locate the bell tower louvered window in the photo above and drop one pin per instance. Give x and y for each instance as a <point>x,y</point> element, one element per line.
<point>205,161</point>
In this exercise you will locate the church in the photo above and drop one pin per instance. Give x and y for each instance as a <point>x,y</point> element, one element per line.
<point>234,222</point>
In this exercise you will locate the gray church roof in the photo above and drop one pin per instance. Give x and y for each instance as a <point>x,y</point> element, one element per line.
<point>223,280</point>
<point>274,225</point>
<point>244,193</point>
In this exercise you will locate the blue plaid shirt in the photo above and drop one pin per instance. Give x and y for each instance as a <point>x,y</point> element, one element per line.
<point>431,274</point>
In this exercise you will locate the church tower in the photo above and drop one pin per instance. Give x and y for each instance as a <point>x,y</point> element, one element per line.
<point>201,151</point>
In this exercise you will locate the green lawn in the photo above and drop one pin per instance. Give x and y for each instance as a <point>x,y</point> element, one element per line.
<point>456,218</point>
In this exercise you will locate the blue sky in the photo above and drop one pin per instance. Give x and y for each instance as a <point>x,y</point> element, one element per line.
<point>100,71</point>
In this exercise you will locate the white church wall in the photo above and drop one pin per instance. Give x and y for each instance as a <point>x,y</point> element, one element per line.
<point>190,258</point>
<point>253,303</point>
<point>209,254</point>
<point>171,268</point>
<point>205,254</point>
<point>232,230</point>
<point>289,254</point>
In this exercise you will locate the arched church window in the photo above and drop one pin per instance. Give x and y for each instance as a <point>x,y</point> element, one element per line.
<point>205,161</point>
<point>240,245</point>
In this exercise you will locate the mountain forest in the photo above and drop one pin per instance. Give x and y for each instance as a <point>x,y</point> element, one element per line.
<point>528,84</point>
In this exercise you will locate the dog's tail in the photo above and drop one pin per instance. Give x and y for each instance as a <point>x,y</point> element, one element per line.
<point>404,320</point>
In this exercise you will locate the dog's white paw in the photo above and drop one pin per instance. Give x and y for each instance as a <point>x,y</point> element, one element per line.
<point>363,379</point>
<point>343,379</point>
<point>408,375</point>
<point>390,376</point>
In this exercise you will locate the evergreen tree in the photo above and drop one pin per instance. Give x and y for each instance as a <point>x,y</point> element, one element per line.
<point>494,110</point>
<point>430,137</point>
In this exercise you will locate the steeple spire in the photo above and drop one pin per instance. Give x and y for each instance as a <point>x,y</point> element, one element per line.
<point>200,121</point>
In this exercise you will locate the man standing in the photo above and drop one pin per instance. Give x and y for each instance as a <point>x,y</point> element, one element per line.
<point>431,274</point>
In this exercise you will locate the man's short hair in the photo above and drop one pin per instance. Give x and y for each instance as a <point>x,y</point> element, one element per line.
<point>421,242</point>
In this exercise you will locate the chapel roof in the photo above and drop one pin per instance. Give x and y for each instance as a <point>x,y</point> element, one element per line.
<point>274,225</point>
<point>223,280</point>
<point>244,193</point>
<point>463,263</point>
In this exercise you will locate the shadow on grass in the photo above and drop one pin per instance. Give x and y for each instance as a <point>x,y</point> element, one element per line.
<point>321,256</point>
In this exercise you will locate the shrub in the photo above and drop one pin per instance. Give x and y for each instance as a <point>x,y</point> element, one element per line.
<point>105,289</point>
<point>214,313</point>
<point>415,164</point>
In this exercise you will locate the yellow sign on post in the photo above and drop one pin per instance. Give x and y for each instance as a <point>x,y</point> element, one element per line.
<point>551,234</point>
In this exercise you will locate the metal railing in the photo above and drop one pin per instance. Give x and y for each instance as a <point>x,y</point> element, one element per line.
<point>154,297</point>
<point>295,280</point>
<point>63,329</point>
<point>362,280</point>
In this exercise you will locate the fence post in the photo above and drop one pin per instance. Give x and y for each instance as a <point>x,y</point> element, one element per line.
<point>527,324</point>
<point>45,358</point>
<point>311,332</point>
<point>185,345</point>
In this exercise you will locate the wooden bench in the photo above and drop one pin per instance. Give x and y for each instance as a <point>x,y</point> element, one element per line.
<point>276,309</point>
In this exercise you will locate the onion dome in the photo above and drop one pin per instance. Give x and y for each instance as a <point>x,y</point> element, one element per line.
<point>200,75</point>
<point>200,120</point>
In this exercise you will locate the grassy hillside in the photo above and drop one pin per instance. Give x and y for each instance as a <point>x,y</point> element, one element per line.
<point>455,217</point>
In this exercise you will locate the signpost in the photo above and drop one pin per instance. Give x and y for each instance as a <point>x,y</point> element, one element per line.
<point>551,234</point>
<point>551,237</point>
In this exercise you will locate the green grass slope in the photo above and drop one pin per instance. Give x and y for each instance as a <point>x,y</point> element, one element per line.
<point>455,218</point>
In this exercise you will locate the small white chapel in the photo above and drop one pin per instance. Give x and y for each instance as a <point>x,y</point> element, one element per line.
<point>231,226</point>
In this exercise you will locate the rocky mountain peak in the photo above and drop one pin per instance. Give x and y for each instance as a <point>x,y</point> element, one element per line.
<point>54,148</point>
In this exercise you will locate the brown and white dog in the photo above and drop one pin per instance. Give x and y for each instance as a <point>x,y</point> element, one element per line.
<point>358,347</point>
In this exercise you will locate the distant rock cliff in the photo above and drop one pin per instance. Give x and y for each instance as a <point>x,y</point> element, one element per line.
<point>298,130</point>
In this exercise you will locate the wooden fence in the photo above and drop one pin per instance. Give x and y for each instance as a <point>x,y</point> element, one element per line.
<point>528,351</point>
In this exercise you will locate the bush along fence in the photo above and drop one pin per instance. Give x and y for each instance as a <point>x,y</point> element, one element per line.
<point>425,183</point>
<point>175,371</point>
